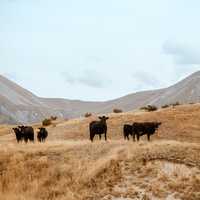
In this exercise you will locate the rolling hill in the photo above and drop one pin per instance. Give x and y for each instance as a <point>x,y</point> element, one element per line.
<point>18,105</point>
<point>69,166</point>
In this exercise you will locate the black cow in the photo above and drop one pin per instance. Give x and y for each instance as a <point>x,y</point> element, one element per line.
<point>27,132</point>
<point>98,128</point>
<point>42,135</point>
<point>128,130</point>
<point>145,128</point>
<point>18,134</point>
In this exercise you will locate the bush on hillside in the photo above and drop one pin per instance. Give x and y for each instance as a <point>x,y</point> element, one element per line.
<point>117,110</point>
<point>175,104</point>
<point>53,118</point>
<point>149,108</point>
<point>165,106</point>
<point>46,122</point>
<point>88,114</point>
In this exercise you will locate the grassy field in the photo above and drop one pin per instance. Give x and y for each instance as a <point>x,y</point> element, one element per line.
<point>69,167</point>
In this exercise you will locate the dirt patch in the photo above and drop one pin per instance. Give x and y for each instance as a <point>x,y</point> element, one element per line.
<point>157,180</point>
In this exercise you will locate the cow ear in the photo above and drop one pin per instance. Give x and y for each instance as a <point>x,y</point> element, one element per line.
<point>107,117</point>
<point>100,117</point>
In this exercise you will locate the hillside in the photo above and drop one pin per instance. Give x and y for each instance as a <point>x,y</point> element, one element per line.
<point>180,123</point>
<point>69,166</point>
<point>17,105</point>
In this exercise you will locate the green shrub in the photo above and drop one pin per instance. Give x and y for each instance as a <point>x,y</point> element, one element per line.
<point>117,110</point>
<point>46,122</point>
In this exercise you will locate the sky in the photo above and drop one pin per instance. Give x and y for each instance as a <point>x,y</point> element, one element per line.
<point>98,50</point>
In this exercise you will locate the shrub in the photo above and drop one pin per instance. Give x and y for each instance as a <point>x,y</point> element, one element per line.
<point>53,118</point>
<point>46,122</point>
<point>117,110</point>
<point>165,106</point>
<point>175,104</point>
<point>88,114</point>
<point>149,108</point>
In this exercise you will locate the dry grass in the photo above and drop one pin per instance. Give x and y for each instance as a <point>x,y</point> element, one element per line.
<point>69,167</point>
<point>81,170</point>
<point>180,123</point>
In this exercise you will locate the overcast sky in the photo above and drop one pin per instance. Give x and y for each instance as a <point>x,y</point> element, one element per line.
<point>98,49</point>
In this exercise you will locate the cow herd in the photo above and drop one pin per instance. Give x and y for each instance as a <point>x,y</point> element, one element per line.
<point>26,134</point>
<point>135,130</point>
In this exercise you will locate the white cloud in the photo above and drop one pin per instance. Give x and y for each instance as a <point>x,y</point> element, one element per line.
<point>87,77</point>
<point>182,54</point>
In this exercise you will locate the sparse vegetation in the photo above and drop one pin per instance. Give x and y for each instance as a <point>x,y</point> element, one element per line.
<point>117,110</point>
<point>63,168</point>
<point>46,122</point>
<point>73,170</point>
<point>165,106</point>
<point>149,108</point>
<point>53,118</point>
<point>176,104</point>
<point>88,114</point>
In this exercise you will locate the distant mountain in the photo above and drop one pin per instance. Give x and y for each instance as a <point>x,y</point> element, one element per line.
<point>17,105</point>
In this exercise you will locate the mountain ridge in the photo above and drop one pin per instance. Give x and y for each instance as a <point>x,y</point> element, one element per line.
<point>18,105</point>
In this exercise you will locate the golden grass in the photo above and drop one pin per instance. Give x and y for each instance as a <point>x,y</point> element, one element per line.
<point>82,170</point>
<point>68,166</point>
<point>181,123</point>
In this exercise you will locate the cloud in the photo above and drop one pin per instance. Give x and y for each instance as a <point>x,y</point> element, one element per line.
<point>182,54</point>
<point>88,78</point>
<point>144,80</point>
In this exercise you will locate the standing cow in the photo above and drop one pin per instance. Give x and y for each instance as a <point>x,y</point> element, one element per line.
<point>28,133</point>
<point>127,130</point>
<point>98,128</point>
<point>42,135</point>
<point>18,134</point>
<point>145,128</point>
<point>24,133</point>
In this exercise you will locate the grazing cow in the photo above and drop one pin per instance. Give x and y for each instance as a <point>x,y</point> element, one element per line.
<point>98,128</point>
<point>28,133</point>
<point>42,135</point>
<point>128,130</point>
<point>18,134</point>
<point>145,128</point>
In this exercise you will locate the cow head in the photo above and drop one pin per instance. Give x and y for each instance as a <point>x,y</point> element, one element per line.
<point>103,118</point>
<point>16,130</point>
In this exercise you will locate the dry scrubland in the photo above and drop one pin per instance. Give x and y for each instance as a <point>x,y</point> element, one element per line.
<point>69,167</point>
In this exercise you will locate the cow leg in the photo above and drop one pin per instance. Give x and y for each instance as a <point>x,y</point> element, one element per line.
<point>105,136</point>
<point>138,136</point>
<point>91,137</point>
<point>148,137</point>
<point>127,137</point>
<point>99,136</point>
<point>134,137</point>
